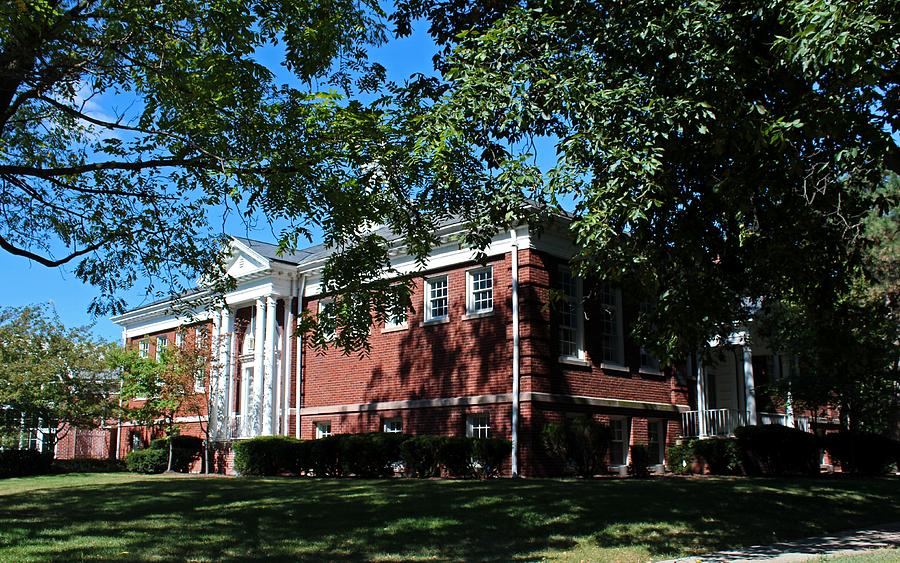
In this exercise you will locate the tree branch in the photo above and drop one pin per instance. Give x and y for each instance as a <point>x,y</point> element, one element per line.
<point>12,249</point>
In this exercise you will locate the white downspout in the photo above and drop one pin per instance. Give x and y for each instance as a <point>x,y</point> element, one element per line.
<point>286,361</point>
<point>299,386</point>
<point>515,354</point>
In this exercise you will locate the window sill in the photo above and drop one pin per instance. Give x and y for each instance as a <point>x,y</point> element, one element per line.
<point>479,315</point>
<point>399,328</point>
<point>440,321</point>
<point>574,361</point>
<point>614,367</point>
<point>651,371</point>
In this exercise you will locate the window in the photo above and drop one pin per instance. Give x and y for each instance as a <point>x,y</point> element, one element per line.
<point>392,425</point>
<point>327,316</point>
<point>396,318</point>
<point>621,440</point>
<point>162,343</point>
<point>570,317</point>
<point>649,362</point>
<point>478,425</point>
<point>480,291</point>
<point>179,339</point>
<point>610,324</point>
<point>199,336</point>
<point>200,380</point>
<point>323,429</point>
<point>436,301</point>
<point>656,440</point>
<point>144,348</point>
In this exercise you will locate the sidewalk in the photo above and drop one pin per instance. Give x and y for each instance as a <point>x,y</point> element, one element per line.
<point>844,543</point>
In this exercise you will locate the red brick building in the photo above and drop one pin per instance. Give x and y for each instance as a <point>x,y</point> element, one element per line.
<point>483,346</point>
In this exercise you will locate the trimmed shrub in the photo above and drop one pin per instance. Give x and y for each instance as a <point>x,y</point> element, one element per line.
<point>772,449</point>
<point>88,465</point>
<point>680,457</point>
<point>322,457</point>
<point>186,450</point>
<point>455,454</point>
<point>148,460</point>
<point>370,455</point>
<point>19,463</point>
<point>582,444</point>
<point>863,453</point>
<point>640,461</point>
<point>419,455</point>
<point>267,455</point>
<point>488,455</point>
<point>721,455</point>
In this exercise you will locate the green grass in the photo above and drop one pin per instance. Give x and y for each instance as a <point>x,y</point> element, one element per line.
<point>128,517</point>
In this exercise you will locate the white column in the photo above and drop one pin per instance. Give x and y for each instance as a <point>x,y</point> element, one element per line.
<point>256,402</point>
<point>749,387</point>
<point>214,375</point>
<point>268,391</point>
<point>701,398</point>
<point>226,329</point>
<point>788,401</point>
<point>514,271</point>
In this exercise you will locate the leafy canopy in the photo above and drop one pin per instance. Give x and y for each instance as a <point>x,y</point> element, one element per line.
<point>51,375</point>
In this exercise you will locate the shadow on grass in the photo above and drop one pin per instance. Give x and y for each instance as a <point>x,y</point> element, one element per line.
<point>254,519</point>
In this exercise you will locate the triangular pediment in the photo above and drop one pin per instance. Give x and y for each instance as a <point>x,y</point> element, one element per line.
<point>243,261</point>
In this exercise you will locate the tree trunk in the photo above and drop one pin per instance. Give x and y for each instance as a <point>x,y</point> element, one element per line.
<point>171,447</point>
<point>206,456</point>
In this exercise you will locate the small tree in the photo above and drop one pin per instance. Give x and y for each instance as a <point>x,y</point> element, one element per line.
<point>162,389</point>
<point>51,377</point>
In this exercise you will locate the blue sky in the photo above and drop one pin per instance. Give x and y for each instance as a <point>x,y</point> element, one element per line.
<point>23,282</point>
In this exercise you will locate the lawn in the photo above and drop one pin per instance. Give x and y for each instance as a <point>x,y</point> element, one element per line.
<point>139,518</point>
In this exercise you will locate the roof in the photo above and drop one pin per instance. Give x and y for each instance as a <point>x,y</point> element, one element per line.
<point>270,251</point>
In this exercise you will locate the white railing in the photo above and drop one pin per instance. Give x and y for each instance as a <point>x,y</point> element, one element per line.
<point>722,422</point>
<point>712,422</point>
<point>236,427</point>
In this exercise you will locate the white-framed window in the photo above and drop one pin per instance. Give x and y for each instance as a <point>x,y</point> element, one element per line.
<point>179,339</point>
<point>323,429</point>
<point>620,442</point>
<point>200,380</point>
<point>144,348</point>
<point>478,425</point>
<point>649,362</point>
<point>571,316</point>
<point>327,312</point>
<point>199,336</point>
<point>392,425</point>
<point>162,342</point>
<point>656,440</point>
<point>612,343</point>
<point>480,291</point>
<point>437,302</point>
<point>396,319</point>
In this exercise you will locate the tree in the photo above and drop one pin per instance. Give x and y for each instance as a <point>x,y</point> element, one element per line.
<point>121,126</point>
<point>52,378</point>
<point>156,392</point>
<point>718,154</point>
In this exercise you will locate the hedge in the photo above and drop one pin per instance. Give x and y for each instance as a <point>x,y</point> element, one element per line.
<point>371,455</point>
<point>268,455</point>
<point>20,463</point>
<point>777,450</point>
<point>722,456</point>
<point>581,443</point>
<point>88,465</point>
<point>863,453</point>
<point>419,456</point>
<point>147,460</point>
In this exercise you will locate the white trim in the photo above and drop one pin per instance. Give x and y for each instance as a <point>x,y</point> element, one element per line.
<point>576,300</point>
